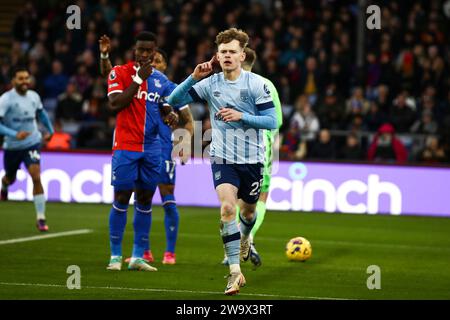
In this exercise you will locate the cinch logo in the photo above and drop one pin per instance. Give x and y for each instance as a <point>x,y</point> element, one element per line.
<point>335,197</point>
<point>150,96</point>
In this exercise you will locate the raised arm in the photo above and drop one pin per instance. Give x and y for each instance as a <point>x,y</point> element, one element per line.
<point>105,63</point>
<point>182,94</point>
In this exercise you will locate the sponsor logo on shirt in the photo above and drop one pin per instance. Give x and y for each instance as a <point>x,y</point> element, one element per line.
<point>244,95</point>
<point>112,75</point>
<point>149,96</point>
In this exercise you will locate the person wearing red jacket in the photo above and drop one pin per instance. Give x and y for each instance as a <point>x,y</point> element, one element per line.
<point>386,146</point>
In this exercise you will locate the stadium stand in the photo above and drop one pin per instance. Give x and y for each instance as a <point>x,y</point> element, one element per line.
<point>332,109</point>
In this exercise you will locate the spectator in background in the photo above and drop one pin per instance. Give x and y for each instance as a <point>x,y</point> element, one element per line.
<point>69,104</point>
<point>357,104</point>
<point>352,149</point>
<point>426,124</point>
<point>386,146</point>
<point>374,117</point>
<point>311,79</point>
<point>433,152</point>
<point>323,148</point>
<point>293,147</point>
<point>60,139</point>
<point>382,99</point>
<point>331,110</point>
<point>56,82</point>
<point>305,119</point>
<point>401,115</point>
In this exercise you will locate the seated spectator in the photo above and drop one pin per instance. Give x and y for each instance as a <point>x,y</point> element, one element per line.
<point>94,110</point>
<point>324,148</point>
<point>433,151</point>
<point>60,139</point>
<point>68,109</point>
<point>426,124</point>
<point>330,110</point>
<point>56,82</point>
<point>401,115</point>
<point>357,104</point>
<point>293,147</point>
<point>386,146</point>
<point>374,117</point>
<point>352,149</point>
<point>69,104</point>
<point>306,120</point>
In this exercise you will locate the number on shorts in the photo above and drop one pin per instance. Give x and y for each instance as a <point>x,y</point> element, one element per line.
<point>34,155</point>
<point>256,187</point>
<point>170,167</point>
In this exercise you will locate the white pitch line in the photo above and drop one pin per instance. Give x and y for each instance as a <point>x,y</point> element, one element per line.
<point>46,236</point>
<point>170,291</point>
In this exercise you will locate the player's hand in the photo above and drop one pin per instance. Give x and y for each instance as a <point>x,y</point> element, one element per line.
<point>229,115</point>
<point>105,44</point>
<point>171,119</point>
<point>145,70</point>
<point>21,135</point>
<point>47,137</point>
<point>203,69</point>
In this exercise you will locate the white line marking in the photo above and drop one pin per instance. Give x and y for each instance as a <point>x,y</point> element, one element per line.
<point>169,290</point>
<point>46,236</point>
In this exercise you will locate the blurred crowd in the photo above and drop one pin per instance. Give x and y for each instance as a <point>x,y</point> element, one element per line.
<point>395,108</point>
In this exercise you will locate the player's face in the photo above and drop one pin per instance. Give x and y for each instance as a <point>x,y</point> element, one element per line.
<point>144,51</point>
<point>230,55</point>
<point>21,81</point>
<point>158,62</point>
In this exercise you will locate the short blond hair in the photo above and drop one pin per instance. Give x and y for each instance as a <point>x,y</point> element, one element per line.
<point>233,34</point>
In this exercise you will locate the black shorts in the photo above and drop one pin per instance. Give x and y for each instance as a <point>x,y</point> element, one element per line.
<point>248,178</point>
<point>13,158</point>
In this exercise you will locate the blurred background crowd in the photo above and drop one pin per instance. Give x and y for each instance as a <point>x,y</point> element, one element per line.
<point>396,107</point>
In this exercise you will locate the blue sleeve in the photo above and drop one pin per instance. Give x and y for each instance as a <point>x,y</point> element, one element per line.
<point>182,93</point>
<point>5,131</point>
<point>267,118</point>
<point>43,117</point>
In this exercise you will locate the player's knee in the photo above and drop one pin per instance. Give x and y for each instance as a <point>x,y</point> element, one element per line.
<point>144,197</point>
<point>228,209</point>
<point>123,197</point>
<point>248,213</point>
<point>166,189</point>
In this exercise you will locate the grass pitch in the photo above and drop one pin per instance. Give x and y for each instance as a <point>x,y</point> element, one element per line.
<point>413,254</point>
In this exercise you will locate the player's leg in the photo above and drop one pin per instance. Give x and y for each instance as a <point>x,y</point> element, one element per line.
<point>171,221</point>
<point>32,162</point>
<point>124,172</point>
<point>250,180</point>
<point>269,137</point>
<point>247,219</point>
<point>145,186</point>
<point>226,182</point>
<point>231,236</point>
<point>11,163</point>
<point>38,196</point>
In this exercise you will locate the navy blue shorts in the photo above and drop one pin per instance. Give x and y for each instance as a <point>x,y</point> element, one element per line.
<point>248,178</point>
<point>167,173</point>
<point>131,169</point>
<point>13,158</point>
